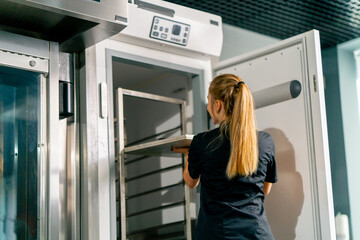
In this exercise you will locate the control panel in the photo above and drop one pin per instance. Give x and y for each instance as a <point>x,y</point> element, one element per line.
<point>170,31</point>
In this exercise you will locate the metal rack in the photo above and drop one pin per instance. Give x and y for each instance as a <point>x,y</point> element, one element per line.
<point>179,229</point>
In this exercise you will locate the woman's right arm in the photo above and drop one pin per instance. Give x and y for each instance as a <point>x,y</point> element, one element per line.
<point>267,188</point>
<point>192,183</point>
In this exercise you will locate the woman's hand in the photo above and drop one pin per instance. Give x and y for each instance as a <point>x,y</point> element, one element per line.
<point>180,150</point>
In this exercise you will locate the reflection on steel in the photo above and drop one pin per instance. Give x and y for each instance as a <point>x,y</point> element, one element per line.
<point>75,24</point>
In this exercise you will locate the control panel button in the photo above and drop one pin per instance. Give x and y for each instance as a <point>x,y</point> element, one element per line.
<point>176,29</point>
<point>170,31</point>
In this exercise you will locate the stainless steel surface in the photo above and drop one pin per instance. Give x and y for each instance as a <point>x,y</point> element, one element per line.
<point>53,146</point>
<point>13,59</point>
<point>66,70</point>
<point>69,175</point>
<point>62,164</point>
<point>97,168</point>
<point>74,189</point>
<point>43,166</point>
<point>89,147</point>
<point>151,96</point>
<point>121,147</point>
<point>75,24</point>
<point>161,147</point>
<point>24,45</point>
<point>71,220</point>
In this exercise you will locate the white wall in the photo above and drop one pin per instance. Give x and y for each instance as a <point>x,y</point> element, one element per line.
<point>237,41</point>
<point>351,124</point>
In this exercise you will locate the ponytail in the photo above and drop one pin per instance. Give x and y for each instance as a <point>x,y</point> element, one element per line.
<point>240,113</point>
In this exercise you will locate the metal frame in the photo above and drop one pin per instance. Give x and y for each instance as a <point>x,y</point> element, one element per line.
<point>73,169</point>
<point>198,85</point>
<point>98,68</point>
<point>42,164</point>
<point>53,147</point>
<point>121,146</point>
<point>163,145</point>
<point>30,63</point>
<point>120,93</point>
<point>26,59</point>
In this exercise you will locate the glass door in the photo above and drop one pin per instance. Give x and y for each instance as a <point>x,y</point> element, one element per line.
<point>20,148</point>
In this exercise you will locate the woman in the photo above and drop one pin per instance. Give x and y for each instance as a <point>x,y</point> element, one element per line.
<point>235,164</point>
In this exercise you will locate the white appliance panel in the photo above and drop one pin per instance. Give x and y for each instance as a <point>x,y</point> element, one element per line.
<point>188,30</point>
<point>293,206</point>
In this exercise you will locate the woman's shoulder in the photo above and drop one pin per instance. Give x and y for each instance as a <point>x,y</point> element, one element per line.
<point>265,141</point>
<point>208,135</point>
<point>204,138</point>
<point>264,136</point>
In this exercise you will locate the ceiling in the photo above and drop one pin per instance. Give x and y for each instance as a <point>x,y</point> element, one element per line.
<point>337,20</point>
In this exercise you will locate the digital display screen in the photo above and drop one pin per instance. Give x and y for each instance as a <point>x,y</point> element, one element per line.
<point>176,30</point>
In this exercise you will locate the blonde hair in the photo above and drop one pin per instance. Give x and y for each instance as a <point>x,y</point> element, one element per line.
<point>240,119</point>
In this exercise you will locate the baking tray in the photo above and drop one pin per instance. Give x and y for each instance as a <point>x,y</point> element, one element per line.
<point>161,147</point>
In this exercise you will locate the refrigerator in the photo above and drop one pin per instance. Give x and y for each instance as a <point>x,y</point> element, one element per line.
<point>123,79</point>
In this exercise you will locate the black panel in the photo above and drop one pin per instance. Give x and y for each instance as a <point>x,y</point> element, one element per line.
<point>66,100</point>
<point>337,20</point>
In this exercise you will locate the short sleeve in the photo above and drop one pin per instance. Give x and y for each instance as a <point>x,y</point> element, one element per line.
<point>194,158</point>
<point>271,174</point>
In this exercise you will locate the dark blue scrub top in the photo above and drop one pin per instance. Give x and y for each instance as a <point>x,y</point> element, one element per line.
<point>230,209</point>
